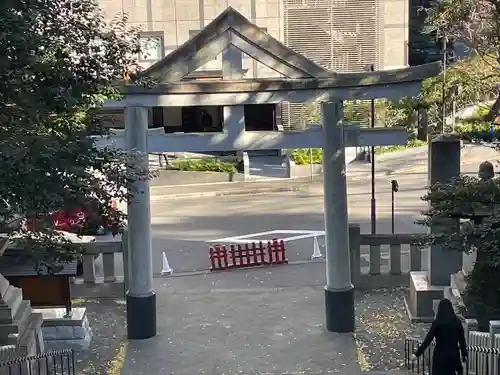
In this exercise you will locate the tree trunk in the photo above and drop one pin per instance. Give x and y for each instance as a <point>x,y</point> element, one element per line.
<point>494,111</point>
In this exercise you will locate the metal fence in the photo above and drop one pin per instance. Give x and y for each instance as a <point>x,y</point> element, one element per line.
<point>480,359</point>
<point>61,362</point>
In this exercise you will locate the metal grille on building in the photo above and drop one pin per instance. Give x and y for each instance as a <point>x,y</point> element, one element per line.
<point>340,35</point>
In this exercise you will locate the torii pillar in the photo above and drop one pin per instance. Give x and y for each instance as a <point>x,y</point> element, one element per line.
<point>141,297</point>
<point>339,291</point>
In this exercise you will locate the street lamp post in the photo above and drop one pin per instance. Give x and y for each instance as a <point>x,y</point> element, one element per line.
<point>373,202</point>
<point>394,190</point>
<point>455,91</point>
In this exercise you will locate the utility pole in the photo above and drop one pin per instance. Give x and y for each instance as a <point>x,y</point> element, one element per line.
<point>454,105</point>
<point>373,202</point>
<point>444,85</point>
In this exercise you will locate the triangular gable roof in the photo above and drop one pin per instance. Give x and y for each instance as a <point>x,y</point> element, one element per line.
<point>232,28</point>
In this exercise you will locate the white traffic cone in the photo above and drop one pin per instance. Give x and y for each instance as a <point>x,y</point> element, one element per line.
<point>316,251</point>
<point>165,270</point>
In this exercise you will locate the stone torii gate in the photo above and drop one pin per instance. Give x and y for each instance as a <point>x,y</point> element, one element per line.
<point>304,81</point>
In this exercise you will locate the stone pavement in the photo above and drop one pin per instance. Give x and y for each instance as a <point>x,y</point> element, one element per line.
<point>242,332</point>
<point>265,321</point>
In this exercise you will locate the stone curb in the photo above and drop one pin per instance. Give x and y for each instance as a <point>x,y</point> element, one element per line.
<point>236,270</point>
<point>225,193</point>
<point>248,191</point>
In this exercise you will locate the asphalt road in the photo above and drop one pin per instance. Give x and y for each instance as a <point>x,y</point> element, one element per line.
<point>181,228</point>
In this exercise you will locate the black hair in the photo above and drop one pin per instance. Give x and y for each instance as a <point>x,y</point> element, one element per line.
<point>445,313</point>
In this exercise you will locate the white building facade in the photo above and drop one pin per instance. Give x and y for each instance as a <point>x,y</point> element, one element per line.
<point>340,35</point>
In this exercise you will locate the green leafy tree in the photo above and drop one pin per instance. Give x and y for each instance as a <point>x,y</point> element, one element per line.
<point>475,79</point>
<point>476,23</point>
<point>468,207</point>
<point>58,60</point>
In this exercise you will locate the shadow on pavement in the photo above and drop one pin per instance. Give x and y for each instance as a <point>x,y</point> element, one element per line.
<point>191,254</point>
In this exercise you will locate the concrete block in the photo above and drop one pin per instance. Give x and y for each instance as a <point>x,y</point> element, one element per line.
<point>57,316</point>
<point>79,333</point>
<point>64,332</point>
<point>77,345</point>
<point>419,303</point>
<point>49,333</point>
<point>12,300</point>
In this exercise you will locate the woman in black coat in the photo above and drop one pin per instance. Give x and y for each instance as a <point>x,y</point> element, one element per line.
<point>450,350</point>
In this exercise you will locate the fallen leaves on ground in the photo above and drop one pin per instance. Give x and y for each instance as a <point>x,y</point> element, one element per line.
<point>381,327</point>
<point>107,351</point>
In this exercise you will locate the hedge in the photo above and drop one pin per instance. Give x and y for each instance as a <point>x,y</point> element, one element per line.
<point>475,131</point>
<point>203,165</point>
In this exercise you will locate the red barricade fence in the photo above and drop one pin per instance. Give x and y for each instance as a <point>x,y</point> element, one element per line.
<point>247,255</point>
<point>219,259</point>
<point>276,252</point>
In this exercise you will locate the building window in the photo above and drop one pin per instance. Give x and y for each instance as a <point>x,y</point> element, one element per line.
<point>152,46</point>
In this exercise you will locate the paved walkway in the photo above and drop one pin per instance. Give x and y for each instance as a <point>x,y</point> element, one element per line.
<point>266,321</point>
<point>238,332</point>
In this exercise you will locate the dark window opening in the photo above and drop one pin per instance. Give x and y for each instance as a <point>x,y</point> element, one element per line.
<point>260,117</point>
<point>157,114</point>
<point>204,119</point>
<point>209,119</point>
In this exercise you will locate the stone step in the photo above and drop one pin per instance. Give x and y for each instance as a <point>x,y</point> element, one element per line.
<point>11,302</point>
<point>19,322</point>
<point>30,339</point>
<point>389,372</point>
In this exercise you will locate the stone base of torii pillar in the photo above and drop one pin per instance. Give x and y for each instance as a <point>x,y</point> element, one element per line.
<point>428,286</point>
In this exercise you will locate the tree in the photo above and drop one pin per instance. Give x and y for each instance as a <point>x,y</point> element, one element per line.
<point>476,23</point>
<point>58,60</point>
<point>474,202</point>
<point>422,47</point>
<point>475,79</point>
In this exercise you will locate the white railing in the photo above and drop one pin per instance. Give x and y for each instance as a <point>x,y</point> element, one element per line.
<point>484,348</point>
<point>478,362</point>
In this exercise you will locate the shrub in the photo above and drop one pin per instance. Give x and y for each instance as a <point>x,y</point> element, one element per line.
<point>412,143</point>
<point>203,165</point>
<point>302,156</point>
<point>477,131</point>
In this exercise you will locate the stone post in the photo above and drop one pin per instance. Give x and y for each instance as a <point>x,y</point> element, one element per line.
<point>493,331</point>
<point>444,164</point>
<point>234,116</point>
<point>423,122</point>
<point>141,298</point>
<point>339,291</point>
<point>126,262</point>
<point>470,325</point>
